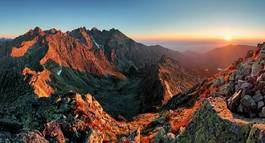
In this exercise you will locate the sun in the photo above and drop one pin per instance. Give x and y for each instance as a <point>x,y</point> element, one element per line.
<point>228,38</point>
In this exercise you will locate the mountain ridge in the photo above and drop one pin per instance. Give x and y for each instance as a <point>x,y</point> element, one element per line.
<point>57,87</point>
<point>95,62</point>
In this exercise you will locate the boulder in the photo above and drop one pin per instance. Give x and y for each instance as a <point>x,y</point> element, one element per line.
<point>213,125</point>
<point>260,104</point>
<point>243,70</point>
<point>248,103</point>
<point>251,79</point>
<point>256,68</point>
<point>261,85</point>
<point>257,97</point>
<point>245,85</point>
<point>170,136</point>
<point>234,100</point>
<point>262,112</point>
<point>240,108</point>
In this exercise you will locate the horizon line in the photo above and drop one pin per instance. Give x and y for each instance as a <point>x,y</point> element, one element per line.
<point>156,37</point>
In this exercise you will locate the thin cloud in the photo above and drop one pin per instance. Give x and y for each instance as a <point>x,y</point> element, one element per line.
<point>8,35</point>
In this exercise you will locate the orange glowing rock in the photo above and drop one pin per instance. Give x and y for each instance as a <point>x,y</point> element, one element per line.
<point>21,51</point>
<point>67,52</point>
<point>39,81</point>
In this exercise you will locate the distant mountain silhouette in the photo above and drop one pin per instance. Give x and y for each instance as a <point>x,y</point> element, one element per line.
<point>219,58</point>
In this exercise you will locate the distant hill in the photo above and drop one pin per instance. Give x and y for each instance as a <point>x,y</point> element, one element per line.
<point>219,58</point>
<point>4,39</point>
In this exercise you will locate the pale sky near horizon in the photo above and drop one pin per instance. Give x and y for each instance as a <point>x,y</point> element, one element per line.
<point>143,20</point>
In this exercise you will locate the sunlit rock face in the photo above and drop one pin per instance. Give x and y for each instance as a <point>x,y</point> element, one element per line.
<point>39,81</point>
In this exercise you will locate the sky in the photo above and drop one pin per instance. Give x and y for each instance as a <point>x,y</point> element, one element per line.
<point>165,22</point>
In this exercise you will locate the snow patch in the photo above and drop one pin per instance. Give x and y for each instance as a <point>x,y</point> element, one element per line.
<point>59,72</point>
<point>168,89</point>
<point>97,45</point>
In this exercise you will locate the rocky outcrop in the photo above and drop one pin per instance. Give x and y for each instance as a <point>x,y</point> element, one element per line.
<point>21,51</point>
<point>62,118</point>
<point>214,122</point>
<point>243,84</point>
<point>39,81</point>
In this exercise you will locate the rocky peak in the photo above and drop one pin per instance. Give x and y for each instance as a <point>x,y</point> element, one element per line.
<point>52,31</point>
<point>106,35</point>
<point>118,34</point>
<point>82,35</point>
<point>95,29</point>
<point>79,30</point>
<point>36,31</point>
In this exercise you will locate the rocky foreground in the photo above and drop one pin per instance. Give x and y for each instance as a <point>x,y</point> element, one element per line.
<point>228,107</point>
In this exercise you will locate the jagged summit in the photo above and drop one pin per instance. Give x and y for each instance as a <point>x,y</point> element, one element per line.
<point>37,29</point>
<point>43,54</point>
<point>52,31</point>
<point>95,29</point>
<point>82,35</point>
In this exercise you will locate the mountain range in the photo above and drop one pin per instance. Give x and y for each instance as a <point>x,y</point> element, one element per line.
<point>219,58</point>
<point>94,86</point>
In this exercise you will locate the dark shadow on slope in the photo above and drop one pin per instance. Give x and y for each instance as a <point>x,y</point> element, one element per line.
<point>185,99</point>
<point>119,98</point>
